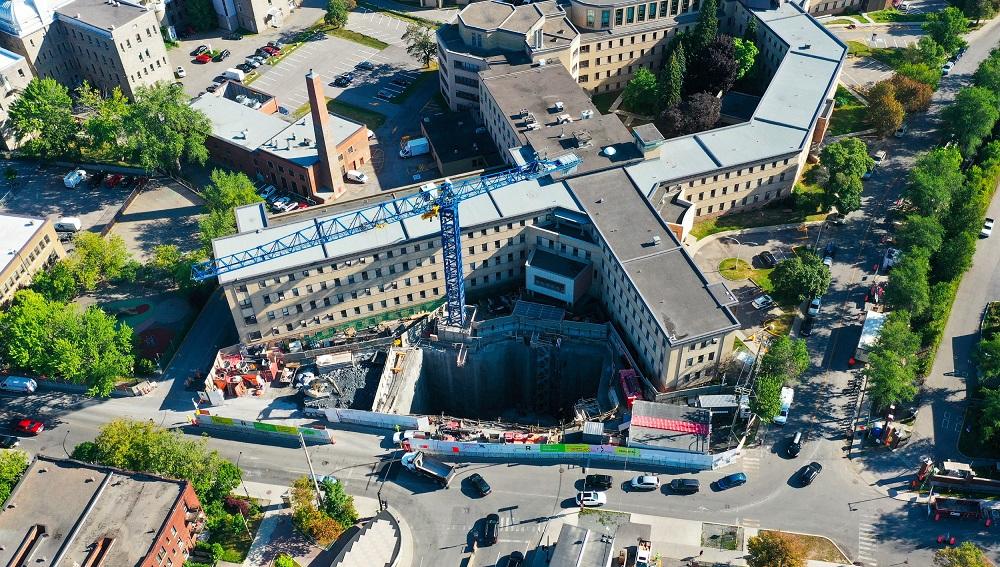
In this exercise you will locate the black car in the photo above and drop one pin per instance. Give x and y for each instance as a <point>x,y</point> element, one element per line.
<point>809,473</point>
<point>830,250</point>
<point>232,36</point>
<point>343,80</point>
<point>9,441</point>
<point>836,218</point>
<point>795,445</point>
<point>516,559</point>
<point>685,485</point>
<point>223,55</point>
<point>768,259</point>
<point>491,529</point>
<point>480,484</point>
<point>245,67</point>
<point>597,482</point>
<point>366,65</point>
<point>806,328</point>
<point>401,81</point>
<point>96,179</point>
<point>199,50</point>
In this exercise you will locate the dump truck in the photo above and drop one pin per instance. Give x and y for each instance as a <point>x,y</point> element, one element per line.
<point>421,463</point>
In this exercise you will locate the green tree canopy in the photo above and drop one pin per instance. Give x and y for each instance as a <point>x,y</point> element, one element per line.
<point>955,255</point>
<point>216,224</point>
<point>420,43</point>
<point>988,73</point>
<point>896,336</point>
<point>908,287</point>
<point>12,465</point>
<point>164,130</point>
<point>43,116</point>
<point>848,156</point>
<point>770,549</point>
<point>971,118</point>
<point>844,192</point>
<point>926,51</point>
<point>933,178</point>
<point>987,357</point>
<point>801,277</point>
<point>891,378</point>
<point>708,26</point>
<point>746,55</point>
<point>97,259</point>
<point>921,72</point>
<point>336,14</point>
<point>201,14</point>
<point>946,27</point>
<point>914,95</point>
<point>921,232</point>
<point>712,69</point>
<point>989,418</point>
<point>885,112</point>
<point>672,78</point>
<point>229,190</point>
<point>338,504</point>
<point>642,93</point>
<point>786,358</point>
<point>966,554</point>
<point>58,283</point>
<point>766,401</point>
<point>105,122</point>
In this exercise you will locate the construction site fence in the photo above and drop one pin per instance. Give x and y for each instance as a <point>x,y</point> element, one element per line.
<point>577,453</point>
<point>313,435</point>
<point>371,344</point>
<point>375,419</point>
<point>505,326</point>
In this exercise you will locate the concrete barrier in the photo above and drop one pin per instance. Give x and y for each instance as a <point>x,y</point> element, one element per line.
<point>233,425</point>
<point>376,419</point>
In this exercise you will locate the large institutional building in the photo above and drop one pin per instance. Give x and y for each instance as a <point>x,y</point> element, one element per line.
<point>30,246</point>
<point>612,228</point>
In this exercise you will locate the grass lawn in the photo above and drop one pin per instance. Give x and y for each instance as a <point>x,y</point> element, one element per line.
<point>603,101</point>
<point>859,48</point>
<point>236,546</point>
<point>762,277</point>
<point>847,119</point>
<point>818,548</point>
<point>738,269</point>
<point>359,38</point>
<point>802,207</point>
<point>368,117</point>
<point>889,16</point>
<point>971,442</point>
<point>839,22</point>
<point>780,325</point>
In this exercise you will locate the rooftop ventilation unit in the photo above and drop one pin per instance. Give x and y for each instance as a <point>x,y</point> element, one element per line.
<point>559,106</point>
<point>586,114</point>
<point>530,118</point>
<point>656,241</point>
<point>610,151</point>
<point>564,118</point>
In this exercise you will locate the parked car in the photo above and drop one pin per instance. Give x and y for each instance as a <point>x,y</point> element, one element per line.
<point>96,180</point>
<point>591,498</point>
<point>29,426</point>
<point>275,44</point>
<point>112,181</point>
<point>223,55</point>
<point>813,309</point>
<point>987,228</point>
<point>303,206</point>
<point>762,302</point>
<point>344,80</point>
<point>830,250</point>
<point>685,485</point>
<point>879,157</point>
<point>272,51</point>
<point>245,67</point>
<point>795,445</point>
<point>479,483</point>
<point>901,131</point>
<point>232,36</point>
<point>516,559</point>
<point>644,482</point>
<point>251,62</point>
<point>768,259</point>
<point>278,204</point>
<point>946,69</point>
<point>385,95</point>
<point>806,328</point>
<point>401,81</point>
<point>405,435</point>
<point>266,191</point>
<point>356,176</point>
<point>809,473</point>
<point>365,65</point>
<point>491,529</point>
<point>180,72</point>
<point>214,86</point>
<point>828,261</point>
<point>9,442</point>
<point>731,481</point>
<point>322,478</point>
<point>203,58</point>
<point>199,50</point>
<point>594,482</point>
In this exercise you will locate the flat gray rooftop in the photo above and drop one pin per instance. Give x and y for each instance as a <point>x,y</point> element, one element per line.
<point>669,426</point>
<point>556,264</point>
<point>663,273</point>
<point>15,232</point>
<point>580,547</point>
<point>486,15</point>
<point>99,14</point>
<point>449,35</point>
<point>237,123</point>
<point>297,142</point>
<point>131,508</point>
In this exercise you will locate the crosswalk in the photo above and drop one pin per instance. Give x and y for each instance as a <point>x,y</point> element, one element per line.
<point>750,523</point>
<point>751,461</point>
<point>868,539</point>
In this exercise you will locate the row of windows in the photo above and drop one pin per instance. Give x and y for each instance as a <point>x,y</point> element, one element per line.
<point>736,188</point>
<point>743,202</point>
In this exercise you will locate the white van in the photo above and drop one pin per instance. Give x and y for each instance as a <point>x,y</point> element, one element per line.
<point>68,224</point>
<point>787,395</point>
<point>19,384</point>
<point>235,75</point>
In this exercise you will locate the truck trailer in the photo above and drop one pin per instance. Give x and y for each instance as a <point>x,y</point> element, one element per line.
<point>421,463</point>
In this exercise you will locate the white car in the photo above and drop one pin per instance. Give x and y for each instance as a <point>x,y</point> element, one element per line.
<point>180,72</point>
<point>400,436</point>
<point>947,67</point>
<point>356,176</point>
<point>280,202</point>
<point>987,228</point>
<point>813,307</point>
<point>762,302</point>
<point>828,261</point>
<point>322,478</point>
<point>591,498</point>
<point>645,482</point>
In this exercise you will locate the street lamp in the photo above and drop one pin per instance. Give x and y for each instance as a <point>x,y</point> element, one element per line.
<point>239,474</point>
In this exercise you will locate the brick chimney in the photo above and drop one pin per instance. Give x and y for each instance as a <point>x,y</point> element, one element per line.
<point>327,171</point>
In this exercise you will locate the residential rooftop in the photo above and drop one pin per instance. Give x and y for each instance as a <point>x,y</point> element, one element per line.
<point>449,35</point>
<point>100,14</point>
<point>15,233</point>
<point>79,504</point>
<point>667,279</point>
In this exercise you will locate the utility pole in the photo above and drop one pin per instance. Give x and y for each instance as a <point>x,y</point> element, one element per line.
<point>312,472</point>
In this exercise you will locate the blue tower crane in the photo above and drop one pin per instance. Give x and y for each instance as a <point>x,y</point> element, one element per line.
<point>430,202</point>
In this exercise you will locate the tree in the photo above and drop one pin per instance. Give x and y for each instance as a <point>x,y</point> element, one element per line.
<point>988,73</point>
<point>955,255</point>
<point>12,465</point>
<point>771,549</point>
<point>844,192</point>
<point>97,259</point>
<point>946,27</point>
<point>926,51</point>
<point>309,519</point>
<point>216,224</point>
<point>746,55</point>
<point>933,178</point>
<point>891,379</point>
<point>642,93</point>
<point>885,113</point>
<point>915,96</point>
<point>708,27</point>
<point>10,174</point>
<point>848,156</point>
<point>967,554</point>
<point>58,283</point>
<point>908,287</point>
<point>105,122</point>
<point>201,15</point>
<point>336,14</point>
<point>921,72</point>
<point>751,32</point>
<point>921,232</point>
<point>801,277</point>
<point>43,115</point>
<point>987,357</point>
<point>164,130</point>
<point>338,504</point>
<point>766,402</point>
<point>713,68</point>
<point>989,419</point>
<point>284,560</point>
<point>420,43</point>
<point>672,78</point>
<point>696,114</point>
<point>786,358</point>
<point>897,337</point>
<point>229,190</point>
<point>971,118</point>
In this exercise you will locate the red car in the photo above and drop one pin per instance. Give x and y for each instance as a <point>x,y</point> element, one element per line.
<point>273,51</point>
<point>113,180</point>
<point>203,58</point>
<point>29,426</point>
<point>303,206</point>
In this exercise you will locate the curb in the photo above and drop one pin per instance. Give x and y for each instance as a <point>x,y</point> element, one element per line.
<point>698,244</point>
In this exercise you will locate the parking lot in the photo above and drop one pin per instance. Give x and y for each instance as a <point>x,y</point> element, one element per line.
<point>377,25</point>
<point>165,213</point>
<point>40,192</point>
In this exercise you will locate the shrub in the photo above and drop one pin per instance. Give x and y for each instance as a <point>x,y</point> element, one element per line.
<point>237,505</point>
<point>284,561</point>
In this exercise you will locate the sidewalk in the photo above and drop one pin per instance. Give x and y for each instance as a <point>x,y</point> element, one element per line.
<point>693,247</point>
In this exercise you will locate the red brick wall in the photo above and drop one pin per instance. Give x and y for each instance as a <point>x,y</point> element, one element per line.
<point>361,155</point>
<point>176,545</point>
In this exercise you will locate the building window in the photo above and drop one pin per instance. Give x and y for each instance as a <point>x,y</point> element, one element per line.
<point>605,19</point>
<point>630,15</point>
<point>642,16</point>
<point>618,16</point>
<point>591,15</point>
